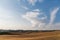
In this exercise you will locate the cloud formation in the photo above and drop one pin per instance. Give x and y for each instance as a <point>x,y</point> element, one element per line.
<point>32,17</point>
<point>50,25</point>
<point>38,23</point>
<point>53,15</point>
<point>24,7</point>
<point>34,1</point>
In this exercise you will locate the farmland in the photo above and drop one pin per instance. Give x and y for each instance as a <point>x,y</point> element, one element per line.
<point>53,35</point>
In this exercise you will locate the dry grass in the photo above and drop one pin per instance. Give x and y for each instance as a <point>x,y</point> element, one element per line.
<point>55,35</point>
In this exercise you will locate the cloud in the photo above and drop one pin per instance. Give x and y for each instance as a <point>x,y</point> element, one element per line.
<point>32,17</point>
<point>24,7</point>
<point>34,1</point>
<point>39,23</point>
<point>50,25</point>
<point>41,1</point>
<point>53,15</point>
<point>55,26</point>
<point>36,10</point>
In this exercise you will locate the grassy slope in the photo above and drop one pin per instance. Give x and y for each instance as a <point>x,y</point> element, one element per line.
<point>55,35</point>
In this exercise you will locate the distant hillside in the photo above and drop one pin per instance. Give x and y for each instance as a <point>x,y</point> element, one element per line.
<point>14,32</point>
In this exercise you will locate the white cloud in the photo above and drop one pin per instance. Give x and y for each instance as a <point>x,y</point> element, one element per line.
<point>39,22</point>
<point>32,17</point>
<point>36,10</point>
<point>55,26</point>
<point>53,15</point>
<point>24,7</point>
<point>34,1</point>
<point>50,25</point>
<point>41,1</point>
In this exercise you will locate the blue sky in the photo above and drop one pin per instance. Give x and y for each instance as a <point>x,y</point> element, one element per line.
<point>30,14</point>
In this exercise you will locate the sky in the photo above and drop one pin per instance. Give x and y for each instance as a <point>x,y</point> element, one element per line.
<point>30,14</point>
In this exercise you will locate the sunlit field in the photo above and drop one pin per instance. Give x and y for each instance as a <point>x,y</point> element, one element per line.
<point>53,35</point>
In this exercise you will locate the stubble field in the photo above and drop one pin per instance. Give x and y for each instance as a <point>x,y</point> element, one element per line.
<point>55,35</point>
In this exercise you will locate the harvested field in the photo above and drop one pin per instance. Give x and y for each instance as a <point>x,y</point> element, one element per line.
<point>55,35</point>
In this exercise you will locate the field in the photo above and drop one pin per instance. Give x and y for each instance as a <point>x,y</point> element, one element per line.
<point>54,35</point>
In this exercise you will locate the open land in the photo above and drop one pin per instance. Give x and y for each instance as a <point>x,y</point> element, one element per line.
<point>54,35</point>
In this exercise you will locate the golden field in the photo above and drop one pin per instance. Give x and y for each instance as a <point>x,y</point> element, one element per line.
<point>54,35</point>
